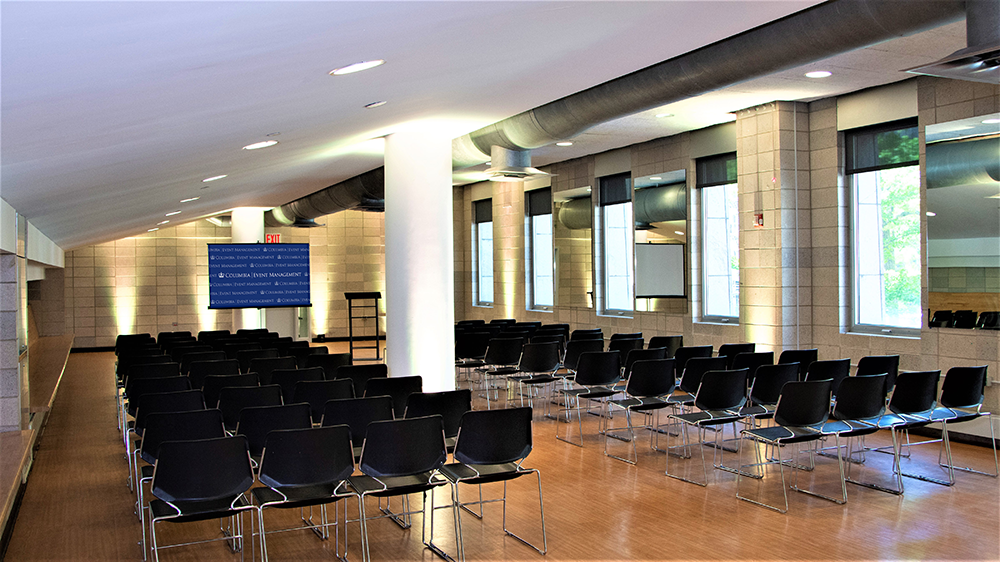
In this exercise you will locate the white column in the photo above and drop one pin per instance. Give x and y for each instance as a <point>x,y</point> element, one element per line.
<point>419,259</point>
<point>248,228</point>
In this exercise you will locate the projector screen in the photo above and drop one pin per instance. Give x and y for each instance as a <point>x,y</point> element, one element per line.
<point>659,270</point>
<point>258,275</point>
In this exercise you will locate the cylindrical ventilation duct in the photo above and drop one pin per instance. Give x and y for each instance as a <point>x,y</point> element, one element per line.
<point>364,192</point>
<point>963,163</point>
<point>662,203</point>
<point>576,213</point>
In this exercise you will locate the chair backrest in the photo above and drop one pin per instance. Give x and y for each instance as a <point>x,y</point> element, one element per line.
<point>474,322</point>
<point>330,362</point>
<point>722,390</point>
<point>539,358</point>
<point>624,336</point>
<point>319,456</point>
<point>670,343</point>
<point>801,356</point>
<point>988,320</point>
<point>188,358</point>
<point>301,353</point>
<point>963,387</point>
<point>915,392</point>
<point>769,380</point>
<point>651,377</point>
<point>730,350</point>
<point>255,422</point>
<point>803,404</point>
<point>137,387</point>
<point>403,447</point>
<point>450,405</point>
<point>623,346</point>
<point>834,369</point>
<point>598,368</point>
<point>860,398</point>
<point>471,345</point>
<point>123,341</point>
<point>177,352</point>
<point>317,393</point>
<point>504,351</point>
<point>252,333</point>
<point>503,321</point>
<point>357,413</point>
<point>232,349</point>
<point>155,402</point>
<point>202,470</point>
<point>164,337</point>
<point>683,354</point>
<point>201,369</point>
<point>360,374</point>
<point>215,383</point>
<point>696,368</point>
<point>558,339</point>
<point>126,362</point>
<point>287,378</point>
<point>244,356</point>
<point>494,436</point>
<point>576,347</point>
<point>151,371</point>
<point>178,426</point>
<point>634,355</point>
<point>941,319</point>
<point>264,366</point>
<point>560,328</point>
<point>587,334</point>
<point>964,319</point>
<point>232,400</point>
<point>877,364</point>
<point>751,361</point>
<point>400,388</point>
<point>208,335</point>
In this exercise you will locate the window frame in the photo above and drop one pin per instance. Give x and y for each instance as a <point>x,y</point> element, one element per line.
<point>616,191</point>
<point>482,222</point>
<point>852,169</point>
<point>538,203</point>
<point>713,172</point>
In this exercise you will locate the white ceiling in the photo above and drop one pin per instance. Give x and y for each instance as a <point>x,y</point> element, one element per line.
<point>112,112</point>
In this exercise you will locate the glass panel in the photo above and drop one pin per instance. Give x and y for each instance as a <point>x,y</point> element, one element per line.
<point>720,251</point>
<point>618,286</point>
<point>541,260</point>
<point>484,236</point>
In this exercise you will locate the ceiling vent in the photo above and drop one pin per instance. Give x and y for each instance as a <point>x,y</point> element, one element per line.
<point>511,165</point>
<point>305,223</point>
<point>980,61</point>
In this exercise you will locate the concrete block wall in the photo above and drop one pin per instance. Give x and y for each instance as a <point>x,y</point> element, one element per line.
<point>10,374</point>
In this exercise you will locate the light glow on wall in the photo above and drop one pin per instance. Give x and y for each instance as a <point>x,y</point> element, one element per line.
<point>124,309</point>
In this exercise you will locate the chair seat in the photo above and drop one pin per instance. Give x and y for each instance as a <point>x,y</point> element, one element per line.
<point>470,363</point>
<point>297,496</point>
<point>197,510</point>
<point>591,393</point>
<point>682,398</point>
<point>500,371</point>
<point>534,379</point>
<point>641,404</point>
<point>894,420</point>
<point>779,434</point>
<point>480,473</point>
<point>394,486</point>
<point>850,428</point>
<point>710,417</point>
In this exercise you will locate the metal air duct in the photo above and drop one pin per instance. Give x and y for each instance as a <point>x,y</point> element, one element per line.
<point>980,60</point>
<point>662,203</point>
<point>575,213</point>
<point>966,162</point>
<point>365,192</point>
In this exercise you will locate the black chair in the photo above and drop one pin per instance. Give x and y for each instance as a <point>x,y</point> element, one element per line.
<point>451,405</point>
<point>941,319</point>
<point>804,357</point>
<point>150,371</point>
<point>165,337</point>
<point>125,341</point>
<point>198,480</point>
<point>304,468</point>
<point>730,350</point>
<point>751,361</point>
<point>834,369</point>
<point>215,383</point>
<point>232,349</point>
<point>202,369</point>
<point>536,368</point>
<point>330,362</point>
<point>912,405</point>
<point>670,343</point>
<point>962,394</point>
<point>357,413</point>
<point>288,378</point>
<point>596,373</point>
<point>317,393</point>
<point>245,356</point>
<point>180,351</point>
<point>126,362</point>
<point>403,457</point>
<point>232,400</point>
<point>642,355</point>
<point>207,336</point>
<point>765,390</point>
<point>491,447</point>
<point>399,388</point>
<point>257,421</point>
<point>301,353</point>
<point>878,364</point>
<point>799,417</point>
<point>587,334</point>
<point>690,379</point>
<point>683,354</point>
<point>264,366</point>
<point>964,319</point>
<point>558,339</point>
<point>574,348</point>
<point>188,358</point>
<point>137,387</point>
<point>626,336</point>
<point>470,349</point>
<point>649,381</point>
<point>989,320</point>
<point>361,374</point>
<point>154,403</point>
<point>474,322</point>
<point>503,321</point>
<point>623,346</point>
<point>719,399</point>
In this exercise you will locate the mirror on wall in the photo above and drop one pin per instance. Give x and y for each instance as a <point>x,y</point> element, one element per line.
<point>660,207</point>
<point>963,216</point>
<point>572,254</point>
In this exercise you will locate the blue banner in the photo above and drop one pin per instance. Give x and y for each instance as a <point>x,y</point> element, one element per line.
<point>258,275</point>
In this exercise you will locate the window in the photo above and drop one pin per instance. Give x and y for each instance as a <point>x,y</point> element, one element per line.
<point>616,242</point>
<point>884,176</point>
<point>720,238</point>
<point>539,249</point>
<point>482,251</point>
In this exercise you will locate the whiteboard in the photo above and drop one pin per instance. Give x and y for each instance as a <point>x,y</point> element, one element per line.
<point>659,270</point>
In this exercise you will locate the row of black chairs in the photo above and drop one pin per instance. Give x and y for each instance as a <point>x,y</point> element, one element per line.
<point>987,320</point>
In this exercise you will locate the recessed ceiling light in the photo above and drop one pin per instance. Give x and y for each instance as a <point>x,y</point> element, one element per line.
<point>564,143</point>
<point>152,230</point>
<point>172,213</point>
<point>997,196</point>
<point>190,199</point>
<point>375,104</point>
<point>213,178</point>
<point>662,115</point>
<point>655,178</point>
<point>931,214</point>
<point>356,67</point>
<point>162,222</point>
<point>679,232</point>
<point>992,121</point>
<point>262,144</point>
<point>818,74</point>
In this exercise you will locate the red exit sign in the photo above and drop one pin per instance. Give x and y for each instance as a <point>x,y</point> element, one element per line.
<point>272,238</point>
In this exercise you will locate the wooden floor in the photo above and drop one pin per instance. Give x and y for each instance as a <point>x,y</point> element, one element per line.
<point>77,506</point>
